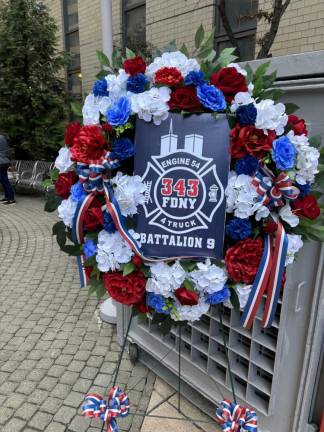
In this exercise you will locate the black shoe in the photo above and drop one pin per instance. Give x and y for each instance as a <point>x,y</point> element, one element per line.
<point>2,200</point>
<point>9,203</point>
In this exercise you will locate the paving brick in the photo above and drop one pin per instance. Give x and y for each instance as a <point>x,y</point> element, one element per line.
<point>40,421</point>
<point>65,414</point>
<point>26,411</point>
<point>55,427</point>
<point>14,425</point>
<point>5,414</point>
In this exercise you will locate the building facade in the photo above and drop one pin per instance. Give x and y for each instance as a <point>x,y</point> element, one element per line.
<point>155,23</point>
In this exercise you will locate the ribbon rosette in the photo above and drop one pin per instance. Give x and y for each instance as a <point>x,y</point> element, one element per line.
<point>116,405</point>
<point>273,189</point>
<point>235,418</point>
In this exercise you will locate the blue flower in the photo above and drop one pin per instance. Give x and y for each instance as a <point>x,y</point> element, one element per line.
<point>137,83</point>
<point>100,88</point>
<point>195,78</point>
<point>211,97</point>
<point>304,189</point>
<point>122,148</point>
<point>218,296</point>
<point>247,165</point>
<point>283,153</point>
<point>238,229</point>
<point>109,224</point>
<point>119,113</point>
<point>89,248</point>
<point>157,302</point>
<point>77,192</point>
<point>246,114</point>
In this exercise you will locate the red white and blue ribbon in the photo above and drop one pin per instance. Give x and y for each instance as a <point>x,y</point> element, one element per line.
<point>116,405</point>
<point>268,279</point>
<point>235,418</point>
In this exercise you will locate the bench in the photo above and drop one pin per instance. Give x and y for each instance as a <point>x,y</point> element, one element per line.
<point>29,174</point>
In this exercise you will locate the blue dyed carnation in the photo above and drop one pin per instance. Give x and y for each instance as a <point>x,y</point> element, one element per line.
<point>304,189</point>
<point>77,192</point>
<point>196,78</point>
<point>119,113</point>
<point>211,97</point>
<point>246,114</point>
<point>89,248</point>
<point>218,296</point>
<point>122,148</point>
<point>100,88</point>
<point>283,153</point>
<point>239,229</point>
<point>137,83</point>
<point>109,224</point>
<point>247,165</point>
<point>157,302</point>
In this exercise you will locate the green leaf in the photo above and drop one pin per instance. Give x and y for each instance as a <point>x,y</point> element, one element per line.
<point>129,53</point>
<point>47,183</point>
<point>184,50</point>
<point>189,285</point>
<point>204,52</point>
<point>249,72</point>
<point>103,59</point>
<point>61,239</point>
<point>199,36</point>
<point>209,42</point>
<point>261,70</point>
<point>268,80</point>
<point>59,226</point>
<point>145,270</point>
<point>96,286</point>
<point>166,326</point>
<point>315,141</point>
<point>226,56</point>
<point>74,250</point>
<point>234,299</point>
<point>291,108</point>
<point>101,74</point>
<point>170,47</point>
<point>128,268</point>
<point>274,94</point>
<point>188,266</point>
<point>76,108</point>
<point>53,201</point>
<point>54,173</point>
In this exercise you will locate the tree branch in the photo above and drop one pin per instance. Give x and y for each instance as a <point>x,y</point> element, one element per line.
<point>227,26</point>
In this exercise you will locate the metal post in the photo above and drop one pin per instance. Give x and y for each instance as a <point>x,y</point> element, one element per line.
<point>106,27</point>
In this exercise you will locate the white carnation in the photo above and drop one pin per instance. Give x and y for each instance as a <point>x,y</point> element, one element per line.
<point>208,278</point>
<point>173,59</point>
<point>90,110</point>
<point>190,313</point>
<point>241,98</point>
<point>116,84</point>
<point>152,104</point>
<point>271,116</point>
<point>66,211</point>
<point>294,244</point>
<point>129,192</point>
<point>165,279</point>
<point>63,161</point>
<point>243,292</point>
<point>239,69</point>
<point>287,215</point>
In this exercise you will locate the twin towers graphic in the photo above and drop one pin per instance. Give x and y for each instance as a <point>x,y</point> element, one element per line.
<point>193,143</point>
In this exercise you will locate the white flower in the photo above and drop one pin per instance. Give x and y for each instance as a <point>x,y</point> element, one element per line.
<point>250,88</point>
<point>116,84</point>
<point>63,161</point>
<point>173,59</point>
<point>104,103</point>
<point>209,278</point>
<point>294,244</point>
<point>299,141</point>
<point>287,215</point>
<point>66,211</point>
<point>152,104</point>
<point>113,250</point>
<point>190,313</point>
<point>90,110</point>
<point>129,192</point>
<point>239,69</point>
<point>271,116</point>
<point>241,98</point>
<point>243,292</point>
<point>165,279</point>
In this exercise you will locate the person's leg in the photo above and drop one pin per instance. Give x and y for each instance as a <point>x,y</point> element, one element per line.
<point>2,182</point>
<point>8,189</point>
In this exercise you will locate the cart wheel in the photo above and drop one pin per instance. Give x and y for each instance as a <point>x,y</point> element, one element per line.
<point>133,352</point>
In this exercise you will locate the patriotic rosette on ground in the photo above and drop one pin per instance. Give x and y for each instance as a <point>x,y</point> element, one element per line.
<point>272,197</point>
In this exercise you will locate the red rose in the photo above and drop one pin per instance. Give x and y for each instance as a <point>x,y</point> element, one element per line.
<point>64,183</point>
<point>107,127</point>
<point>307,207</point>
<point>89,146</point>
<point>185,98</point>
<point>137,261</point>
<point>229,81</point>
<point>93,218</point>
<point>127,290</point>
<point>142,307</point>
<point>134,65</point>
<point>250,140</point>
<point>270,227</point>
<point>169,76</point>
<point>242,260</point>
<point>298,125</point>
<point>186,297</point>
<point>88,270</point>
<point>71,131</point>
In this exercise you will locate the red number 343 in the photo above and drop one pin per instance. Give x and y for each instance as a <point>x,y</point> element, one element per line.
<point>182,189</point>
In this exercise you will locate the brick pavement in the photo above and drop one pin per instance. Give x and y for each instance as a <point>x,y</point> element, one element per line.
<point>53,346</point>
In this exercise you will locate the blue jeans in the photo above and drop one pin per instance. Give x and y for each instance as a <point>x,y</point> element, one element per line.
<point>8,189</point>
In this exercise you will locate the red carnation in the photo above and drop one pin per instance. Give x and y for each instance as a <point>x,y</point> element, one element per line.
<point>307,207</point>
<point>186,297</point>
<point>169,76</point>
<point>142,307</point>
<point>89,146</point>
<point>137,261</point>
<point>229,81</point>
<point>250,140</point>
<point>298,125</point>
<point>107,127</point>
<point>185,98</point>
<point>71,131</point>
<point>93,218</point>
<point>127,290</point>
<point>270,227</point>
<point>243,259</point>
<point>64,183</point>
<point>134,65</point>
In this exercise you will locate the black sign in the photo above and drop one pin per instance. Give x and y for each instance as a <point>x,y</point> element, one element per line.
<point>184,164</point>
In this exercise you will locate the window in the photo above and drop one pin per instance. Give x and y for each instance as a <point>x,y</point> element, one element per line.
<point>243,21</point>
<point>134,23</point>
<point>72,46</point>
